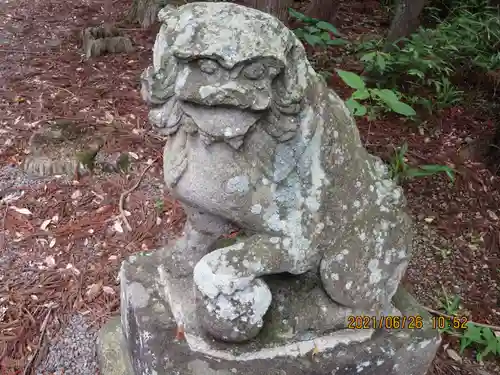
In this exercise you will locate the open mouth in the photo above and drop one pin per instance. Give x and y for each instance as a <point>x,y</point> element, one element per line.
<point>221,123</point>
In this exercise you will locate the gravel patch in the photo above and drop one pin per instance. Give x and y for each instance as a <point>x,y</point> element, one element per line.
<point>72,352</point>
<point>13,177</point>
<point>11,180</point>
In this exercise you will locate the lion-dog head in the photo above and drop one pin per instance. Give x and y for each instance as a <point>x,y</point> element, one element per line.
<point>228,86</point>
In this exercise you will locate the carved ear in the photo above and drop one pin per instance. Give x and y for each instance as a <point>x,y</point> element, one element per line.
<point>295,76</point>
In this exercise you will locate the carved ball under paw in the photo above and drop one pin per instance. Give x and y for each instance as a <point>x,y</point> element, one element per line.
<point>237,317</point>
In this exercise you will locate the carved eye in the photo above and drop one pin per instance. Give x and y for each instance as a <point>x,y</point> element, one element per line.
<point>254,71</point>
<point>208,66</point>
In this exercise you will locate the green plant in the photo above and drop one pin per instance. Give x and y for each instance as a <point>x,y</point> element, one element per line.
<point>401,171</point>
<point>446,94</point>
<point>160,205</point>
<point>467,38</point>
<point>488,62</point>
<point>376,61</point>
<point>480,336</point>
<point>384,98</point>
<point>316,32</point>
<point>123,162</point>
<point>451,307</point>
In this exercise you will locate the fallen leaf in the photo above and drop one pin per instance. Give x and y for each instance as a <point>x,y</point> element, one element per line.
<point>179,335</point>
<point>76,194</point>
<point>492,215</point>
<point>454,355</point>
<point>9,198</point>
<point>23,211</point>
<point>134,155</point>
<point>233,234</point>
<point>52,243</point>
<point>69,266</point>
<point>93,290</point>
<point>102,209</point>
<point>112,257</point>
<point>45,224</point>
<point>117,226</point>
<point>313,353</point>
<point>109,117</point>
<point>108,290</point>
<point>50,261</point>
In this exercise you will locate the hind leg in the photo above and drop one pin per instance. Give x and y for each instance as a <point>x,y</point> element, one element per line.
<point>364,268</point>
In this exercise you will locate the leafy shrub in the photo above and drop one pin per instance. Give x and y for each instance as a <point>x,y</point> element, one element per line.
<point>316,32</point>
<point>468,39</point>
<point>388,100</point>
<point>401,171</point>
<point>476,335</point>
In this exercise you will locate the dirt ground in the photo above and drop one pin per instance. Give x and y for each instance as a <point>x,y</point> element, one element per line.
<point>62,252</point>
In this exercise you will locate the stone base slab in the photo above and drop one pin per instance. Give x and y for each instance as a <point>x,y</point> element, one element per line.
<point>147,340</point>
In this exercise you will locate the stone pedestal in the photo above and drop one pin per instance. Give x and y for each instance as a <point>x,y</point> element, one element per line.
<point>155,302</point>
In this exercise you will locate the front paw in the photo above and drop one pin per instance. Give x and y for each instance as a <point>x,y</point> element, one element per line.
<point>237,317</point>
<point>213,277</point>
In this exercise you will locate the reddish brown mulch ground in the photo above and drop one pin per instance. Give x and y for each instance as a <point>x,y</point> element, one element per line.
<point>61,246</point>
<point>64,254</point>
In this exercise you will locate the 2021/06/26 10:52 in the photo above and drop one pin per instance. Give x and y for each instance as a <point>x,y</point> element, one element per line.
<point>404,322</point>
<point>385,322</point>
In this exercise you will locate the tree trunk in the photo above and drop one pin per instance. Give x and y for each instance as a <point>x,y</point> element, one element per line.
<point>406,20</point>
<point>278,8</point>
<point>144,12</point>
<point>325,10</point>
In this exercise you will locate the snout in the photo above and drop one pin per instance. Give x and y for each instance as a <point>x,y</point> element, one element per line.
<point>221,122</point>
<point>224,90</point>
<point>231,94</point>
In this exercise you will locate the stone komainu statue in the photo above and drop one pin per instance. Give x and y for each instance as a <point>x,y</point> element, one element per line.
<point>258,142</point>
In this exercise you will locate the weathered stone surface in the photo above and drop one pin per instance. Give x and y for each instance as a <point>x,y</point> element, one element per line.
<point>62,147</point>
<point>68,148</point>
<point>295,339</point>
<point>113,359</point>
<point>259,142</point>
<point>104,39</point>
